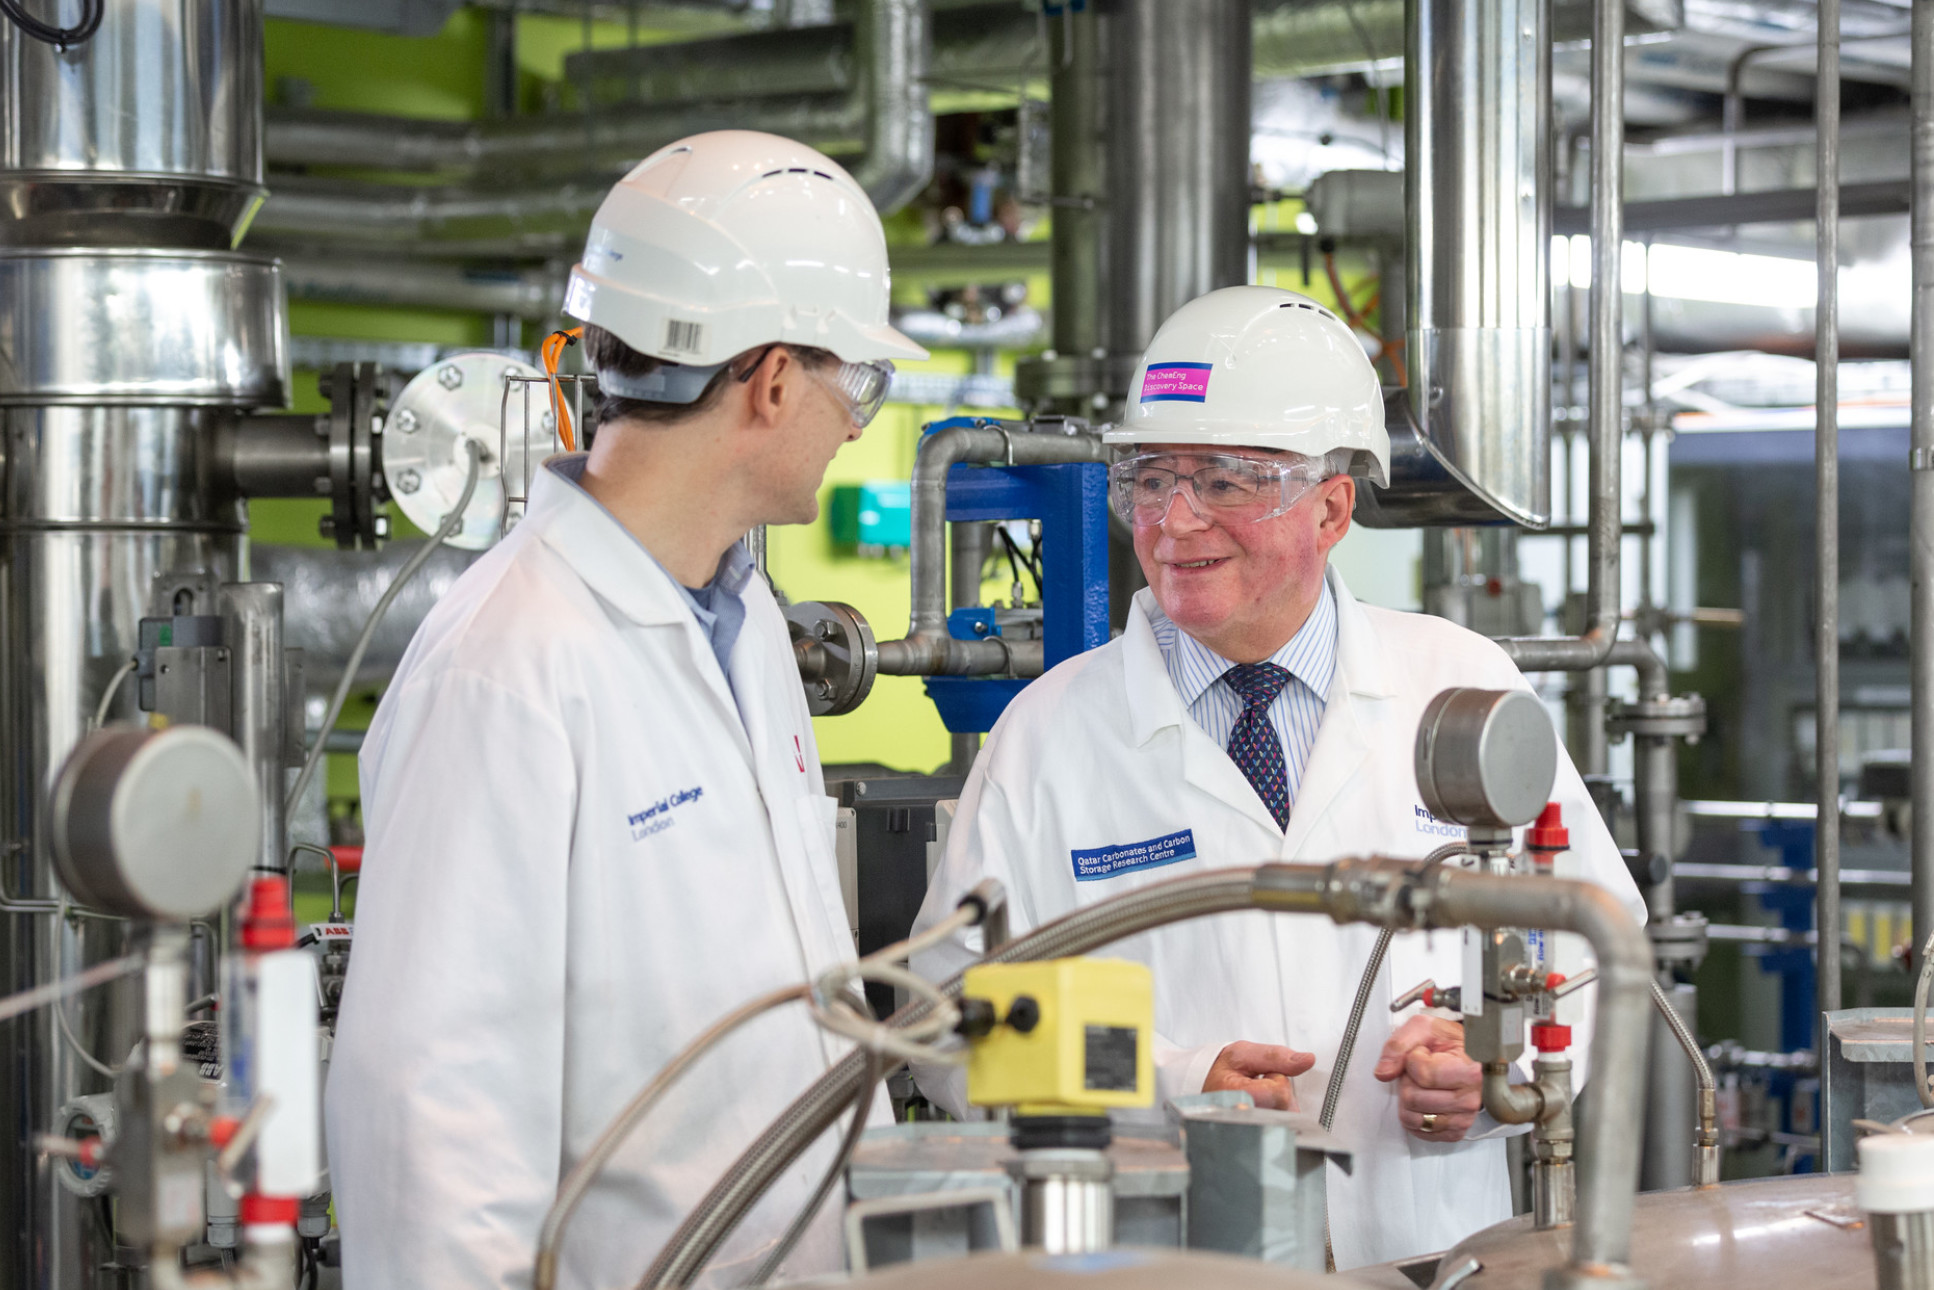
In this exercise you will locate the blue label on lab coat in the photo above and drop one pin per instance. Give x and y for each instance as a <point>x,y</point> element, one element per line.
<point>1106,862</point>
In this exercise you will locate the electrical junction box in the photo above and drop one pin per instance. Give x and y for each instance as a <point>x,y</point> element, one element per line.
<point>1070,1036</point>
<point>872,518</point>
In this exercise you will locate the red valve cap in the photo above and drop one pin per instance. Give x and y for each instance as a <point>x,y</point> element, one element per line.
<point>1549,1037</point>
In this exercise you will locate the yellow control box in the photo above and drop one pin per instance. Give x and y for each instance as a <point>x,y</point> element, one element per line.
<point>1068,1034</point>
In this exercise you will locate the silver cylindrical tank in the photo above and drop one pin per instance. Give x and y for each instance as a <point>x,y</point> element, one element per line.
<point>1475,446</point>
<point>130,333</point>
<point>148,134</point>
<point>1769,1234</point>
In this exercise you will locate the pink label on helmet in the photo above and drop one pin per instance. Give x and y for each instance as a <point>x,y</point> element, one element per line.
<point>1176,383</point>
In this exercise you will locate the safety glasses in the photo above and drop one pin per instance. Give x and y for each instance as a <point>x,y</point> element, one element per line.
<point>1222,488</point>
<point>863,385</point>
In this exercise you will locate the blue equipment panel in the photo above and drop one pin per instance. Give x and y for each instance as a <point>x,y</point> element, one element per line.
<point>1071,502</point>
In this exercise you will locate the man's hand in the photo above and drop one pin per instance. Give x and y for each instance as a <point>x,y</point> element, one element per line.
<point>1435,1078</point>
<point>1262,1071</point>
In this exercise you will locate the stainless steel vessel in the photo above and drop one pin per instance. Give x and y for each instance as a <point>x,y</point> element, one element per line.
<point>129,334</point>
<point>1767,1234</point>
<point>149,134</point>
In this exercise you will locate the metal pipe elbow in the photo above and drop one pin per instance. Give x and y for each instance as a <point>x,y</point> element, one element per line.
<point>1509,1103</point>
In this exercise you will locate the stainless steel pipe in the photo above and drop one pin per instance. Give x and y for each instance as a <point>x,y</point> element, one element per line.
<point>1921,465</point>
<point>1477,209</point>
<point>1826,465</point>
<point>1178,159</point>
<point>927,649</point>
<point>1606,419</point>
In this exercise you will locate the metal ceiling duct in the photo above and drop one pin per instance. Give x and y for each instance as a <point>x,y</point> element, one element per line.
<point>1471,443</point>
<point>128,331</point>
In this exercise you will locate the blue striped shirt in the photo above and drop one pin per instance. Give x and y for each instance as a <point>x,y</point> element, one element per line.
<point>1309,657</point>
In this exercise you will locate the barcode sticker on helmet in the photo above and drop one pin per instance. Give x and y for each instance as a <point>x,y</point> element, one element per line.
<point>684,337</point>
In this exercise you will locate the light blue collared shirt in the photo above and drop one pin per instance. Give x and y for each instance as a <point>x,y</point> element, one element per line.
<point>718,606</point>
<point>1309,657</point>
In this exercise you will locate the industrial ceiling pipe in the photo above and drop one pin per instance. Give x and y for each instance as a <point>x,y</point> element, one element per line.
<point>887,112</point>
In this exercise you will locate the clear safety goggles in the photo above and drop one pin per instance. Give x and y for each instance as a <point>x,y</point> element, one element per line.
<point>1222,489</point>
<point>864,386</point>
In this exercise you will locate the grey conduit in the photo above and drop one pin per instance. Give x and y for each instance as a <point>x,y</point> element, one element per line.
<point>1921,463</point>
<point>1826,458</point>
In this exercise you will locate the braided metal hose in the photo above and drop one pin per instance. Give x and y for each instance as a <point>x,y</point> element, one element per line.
<point>1333,1092</point>
<point>692,1245</point>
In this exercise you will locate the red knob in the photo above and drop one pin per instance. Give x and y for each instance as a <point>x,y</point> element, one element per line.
<point>1549,833</point>
<point>1549,1037</point>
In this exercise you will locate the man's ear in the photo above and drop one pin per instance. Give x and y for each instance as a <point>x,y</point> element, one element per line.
<point>774,386</point>
<point>1339,501</point>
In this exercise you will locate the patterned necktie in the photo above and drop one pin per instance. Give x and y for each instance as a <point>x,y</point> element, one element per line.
<point>1253,744</point>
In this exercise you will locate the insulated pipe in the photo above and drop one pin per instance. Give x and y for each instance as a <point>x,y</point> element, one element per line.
<point>887,113</point>
<point>928,649</point>
<point>1826,561</point>
<point>1921,463</point>
<point>1606,398</point>
<point>1385,892</point>
<point>1477,213</point>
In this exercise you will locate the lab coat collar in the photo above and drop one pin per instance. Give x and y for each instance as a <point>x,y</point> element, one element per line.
<point>610,559</point>
<point>1154,704</point>
<point>1362,671</point>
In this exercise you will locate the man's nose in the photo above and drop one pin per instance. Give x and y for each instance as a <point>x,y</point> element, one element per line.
<point>1189,517</point>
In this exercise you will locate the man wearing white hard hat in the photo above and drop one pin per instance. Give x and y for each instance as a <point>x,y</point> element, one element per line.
<point>593,805</point>
<point>1254,711</point>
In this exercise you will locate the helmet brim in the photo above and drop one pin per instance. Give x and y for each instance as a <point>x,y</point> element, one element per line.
<point>883,341</point>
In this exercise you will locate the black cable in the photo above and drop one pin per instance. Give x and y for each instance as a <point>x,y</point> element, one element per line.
<point>1014,554</point>
<point>1007,548</point>
<point>61,38</point>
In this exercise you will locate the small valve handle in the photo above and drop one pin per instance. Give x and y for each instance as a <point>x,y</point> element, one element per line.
<point>1431,995</point>
<point>1560,986</point>
<point>1419,993</point>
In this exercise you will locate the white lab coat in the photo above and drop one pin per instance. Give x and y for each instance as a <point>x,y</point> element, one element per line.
<point>581,853</point>
<point>1101,753</point>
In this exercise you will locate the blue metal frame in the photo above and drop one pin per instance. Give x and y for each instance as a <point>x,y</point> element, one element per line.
<point>1071,502</point>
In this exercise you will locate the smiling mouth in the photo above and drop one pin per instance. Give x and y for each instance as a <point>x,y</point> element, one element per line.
<point>1198,564</point>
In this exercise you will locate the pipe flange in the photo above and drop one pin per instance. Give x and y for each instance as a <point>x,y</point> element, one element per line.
<point>356,492</point>
<point>1678,716</point>
<point>1678,941</point>
<point>837,655</point>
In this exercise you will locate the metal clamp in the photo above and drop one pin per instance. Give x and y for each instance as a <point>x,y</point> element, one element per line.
<point>1681,716</point>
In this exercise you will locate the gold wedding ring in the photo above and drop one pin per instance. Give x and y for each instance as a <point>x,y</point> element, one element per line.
<point>1428,1124</point>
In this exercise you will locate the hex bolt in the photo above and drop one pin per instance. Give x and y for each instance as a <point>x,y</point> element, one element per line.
<point>449,376</point>
<point>825,629</point>
<point>405,421</point>
<point>408,480</point>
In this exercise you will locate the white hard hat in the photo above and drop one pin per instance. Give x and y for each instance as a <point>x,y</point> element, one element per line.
<point>733,239</point>
<point>1258,367</point>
